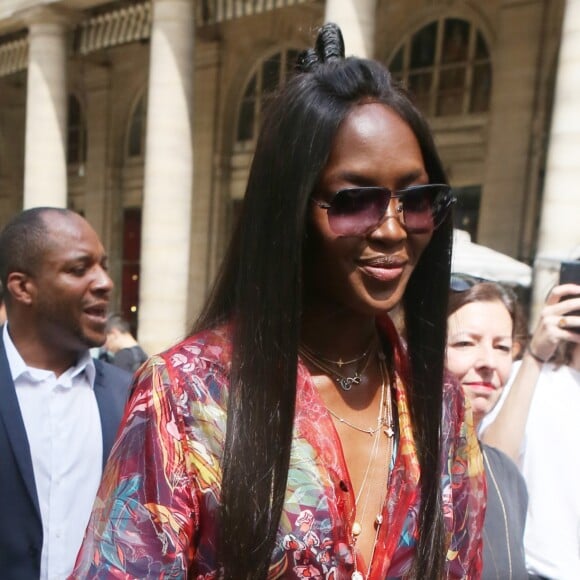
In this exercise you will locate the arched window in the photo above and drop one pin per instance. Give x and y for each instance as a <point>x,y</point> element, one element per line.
<point>268,75</point>
<point>136,137</point>
<point>77,133</point>
<point>446,65</point>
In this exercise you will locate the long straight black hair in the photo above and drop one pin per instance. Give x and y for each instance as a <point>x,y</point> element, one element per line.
<point>259,288</point>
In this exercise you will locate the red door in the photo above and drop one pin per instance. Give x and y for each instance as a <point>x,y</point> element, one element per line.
<point>131,266</point>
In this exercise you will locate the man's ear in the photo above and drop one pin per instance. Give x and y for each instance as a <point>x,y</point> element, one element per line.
<point>21,287</point>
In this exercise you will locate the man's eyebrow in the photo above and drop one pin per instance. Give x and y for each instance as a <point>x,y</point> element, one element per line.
<point>86,258</point>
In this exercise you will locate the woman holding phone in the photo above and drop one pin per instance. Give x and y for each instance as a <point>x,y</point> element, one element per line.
<point>481,335</point>
<point>536,424</point>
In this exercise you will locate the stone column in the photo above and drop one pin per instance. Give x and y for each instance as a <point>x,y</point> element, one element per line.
<point>96,202</point>
<point>208,207</point>
<point>356,19</point>
<point>559,235</point>
<point>45,170</point>
<point>168,177</point>
<point>515,70</point>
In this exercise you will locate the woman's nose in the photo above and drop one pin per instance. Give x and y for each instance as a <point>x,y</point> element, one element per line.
<point>486,357</point>
<point>391,224</point>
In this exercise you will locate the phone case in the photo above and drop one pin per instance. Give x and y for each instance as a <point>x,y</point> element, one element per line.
<point>570,274</point>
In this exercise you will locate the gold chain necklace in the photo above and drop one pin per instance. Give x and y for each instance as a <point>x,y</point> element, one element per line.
<point>386,418</point>
<point>339,363</point>
<point>344,382</point>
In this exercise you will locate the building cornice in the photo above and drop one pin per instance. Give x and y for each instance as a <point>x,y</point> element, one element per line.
<point>116,23</point>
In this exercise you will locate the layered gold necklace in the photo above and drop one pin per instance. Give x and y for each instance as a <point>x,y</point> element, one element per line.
<point>333,368</point>
<point>384,424</point>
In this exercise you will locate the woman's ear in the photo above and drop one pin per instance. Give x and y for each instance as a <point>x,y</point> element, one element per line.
<point>21,287</point>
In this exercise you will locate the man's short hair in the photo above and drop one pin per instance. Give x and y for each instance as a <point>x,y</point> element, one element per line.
<point>23,241</point>
<point>117,321</point>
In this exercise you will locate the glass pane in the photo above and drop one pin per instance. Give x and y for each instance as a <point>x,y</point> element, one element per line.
<point>246,120</point>
<point>451,78</point>
<point>466,210</point>
<point>396,65</point>
<point>451,92</point>
<point>450,103</point>
<point>135,140</point>
<point>291,58</point>
<point>75,153</point>
<point>481,89</point>
<point>135,145</point>
<point>455,41</point>
<point>423,46</point>
<point>74,145</point>
<point>247,112</point>
<point>420,88</point>
<point>251,89</point>
<point>481,51</point>
<point>74,111</point>
<point>271,74</point>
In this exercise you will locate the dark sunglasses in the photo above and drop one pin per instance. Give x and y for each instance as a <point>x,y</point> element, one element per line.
<point>463,282</point>
<point>358,210</point>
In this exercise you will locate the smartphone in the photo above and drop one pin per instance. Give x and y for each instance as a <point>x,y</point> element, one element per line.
<point>570,274</point>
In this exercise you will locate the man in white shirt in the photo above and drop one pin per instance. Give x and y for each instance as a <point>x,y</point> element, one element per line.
<point>59,408</point>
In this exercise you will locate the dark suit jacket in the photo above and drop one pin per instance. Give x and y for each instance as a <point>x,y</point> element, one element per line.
<point>20,521</point>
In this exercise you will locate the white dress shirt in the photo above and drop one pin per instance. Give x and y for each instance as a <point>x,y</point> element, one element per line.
<point>63,427</point>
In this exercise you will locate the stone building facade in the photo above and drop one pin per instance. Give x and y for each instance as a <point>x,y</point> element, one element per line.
<point>142,115</point>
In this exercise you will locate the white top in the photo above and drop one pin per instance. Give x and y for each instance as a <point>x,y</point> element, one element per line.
<point>550,464</point>
<point>63,427</point>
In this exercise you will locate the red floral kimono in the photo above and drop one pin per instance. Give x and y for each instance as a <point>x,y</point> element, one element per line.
<point>156,511</point>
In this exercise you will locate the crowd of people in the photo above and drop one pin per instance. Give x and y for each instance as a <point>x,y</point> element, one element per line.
<point>297,432</point>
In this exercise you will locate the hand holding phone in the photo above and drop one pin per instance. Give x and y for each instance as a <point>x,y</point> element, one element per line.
<point>570,274</point>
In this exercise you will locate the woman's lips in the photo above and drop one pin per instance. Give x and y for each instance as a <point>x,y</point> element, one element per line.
<point>383,268</point>
<point>382,273</point>
<point>486,387</point>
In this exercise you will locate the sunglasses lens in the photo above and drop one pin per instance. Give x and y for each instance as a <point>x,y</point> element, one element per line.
<point>425,207</point>
<point>354,211</point>
<point>460,283</point>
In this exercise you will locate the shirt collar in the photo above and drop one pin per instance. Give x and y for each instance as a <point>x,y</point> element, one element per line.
<point>18,366</point>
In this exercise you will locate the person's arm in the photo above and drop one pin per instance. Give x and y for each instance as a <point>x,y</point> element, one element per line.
<point>506,432</point>
<point>144,517</point>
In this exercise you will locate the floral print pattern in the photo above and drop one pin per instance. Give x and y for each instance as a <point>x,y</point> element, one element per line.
<point>156,512</point>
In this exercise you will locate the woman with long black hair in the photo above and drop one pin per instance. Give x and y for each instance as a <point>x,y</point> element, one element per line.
<point>293,435</point>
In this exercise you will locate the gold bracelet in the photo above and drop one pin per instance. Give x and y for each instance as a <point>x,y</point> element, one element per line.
<point>535,356</point>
